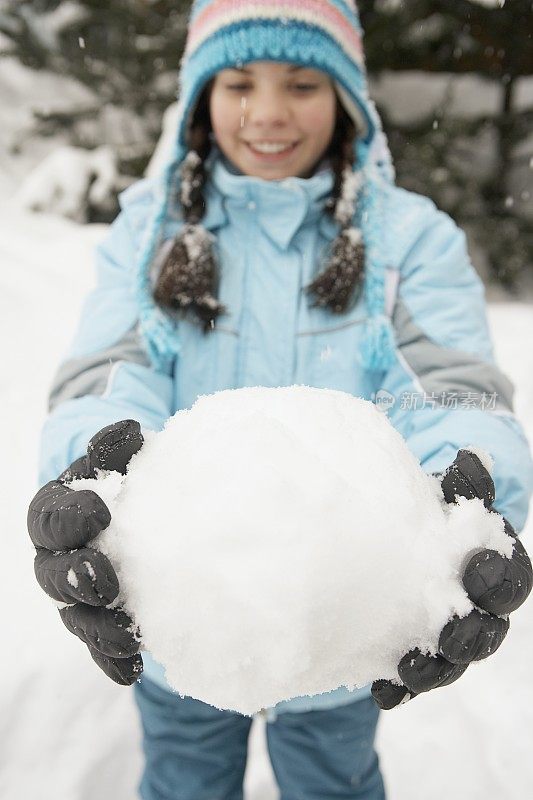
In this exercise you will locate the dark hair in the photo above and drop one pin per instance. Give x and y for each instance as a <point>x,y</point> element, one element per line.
<point>188,277</point>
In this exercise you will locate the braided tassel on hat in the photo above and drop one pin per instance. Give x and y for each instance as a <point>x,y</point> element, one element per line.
<point>378,351</point>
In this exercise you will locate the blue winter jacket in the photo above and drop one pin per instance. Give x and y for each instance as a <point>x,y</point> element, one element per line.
<point>444,391</point>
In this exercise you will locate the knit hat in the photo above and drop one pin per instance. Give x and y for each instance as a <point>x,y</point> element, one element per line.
<point>322,34</point>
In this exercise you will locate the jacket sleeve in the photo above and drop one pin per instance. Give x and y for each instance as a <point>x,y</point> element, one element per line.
<point>445,390</point>
<point>106,376</point>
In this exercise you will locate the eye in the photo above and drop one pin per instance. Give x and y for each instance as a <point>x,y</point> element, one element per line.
<point>305,87</point>
<point>238,87</point>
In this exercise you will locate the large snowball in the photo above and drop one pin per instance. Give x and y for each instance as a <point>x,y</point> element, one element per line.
<point>272,543</point>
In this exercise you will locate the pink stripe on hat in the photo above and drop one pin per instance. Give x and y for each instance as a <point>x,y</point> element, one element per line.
<point>319,13</point>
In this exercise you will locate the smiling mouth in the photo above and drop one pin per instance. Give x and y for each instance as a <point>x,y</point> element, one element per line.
<point>271,149</point>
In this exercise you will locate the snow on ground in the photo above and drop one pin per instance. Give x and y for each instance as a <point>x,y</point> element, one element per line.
<point>67,732</point>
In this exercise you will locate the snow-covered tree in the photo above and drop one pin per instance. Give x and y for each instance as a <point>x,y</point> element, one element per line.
<point>115,65</point>
<point>123,54</point>
<point>491,39</point>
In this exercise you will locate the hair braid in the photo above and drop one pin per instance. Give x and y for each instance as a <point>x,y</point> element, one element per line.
<point>189,275</point>
<point>340,282</point>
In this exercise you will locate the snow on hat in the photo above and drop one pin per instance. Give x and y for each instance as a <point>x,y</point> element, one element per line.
<point>325,35</point>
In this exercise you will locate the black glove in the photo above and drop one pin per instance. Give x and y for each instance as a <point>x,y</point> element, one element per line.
<point>61,522</point>
<point>496,585</point>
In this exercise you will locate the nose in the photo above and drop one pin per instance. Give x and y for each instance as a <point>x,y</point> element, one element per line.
<point>266,108</point>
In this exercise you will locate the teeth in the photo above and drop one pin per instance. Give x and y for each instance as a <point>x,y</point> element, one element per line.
<point>270,147</point>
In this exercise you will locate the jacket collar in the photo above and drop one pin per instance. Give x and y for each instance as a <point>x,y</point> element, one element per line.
<point>281,207</point>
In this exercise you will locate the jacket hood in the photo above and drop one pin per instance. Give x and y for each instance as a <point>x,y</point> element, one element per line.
<point>325,35</point>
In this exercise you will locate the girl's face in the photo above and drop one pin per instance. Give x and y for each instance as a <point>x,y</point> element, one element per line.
<point>273,120</point>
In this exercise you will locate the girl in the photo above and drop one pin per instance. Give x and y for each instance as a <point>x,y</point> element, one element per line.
<point>275,249</point>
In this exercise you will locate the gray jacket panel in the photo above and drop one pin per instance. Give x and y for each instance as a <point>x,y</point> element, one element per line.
<point>89,374</point>
<point>440,369</point>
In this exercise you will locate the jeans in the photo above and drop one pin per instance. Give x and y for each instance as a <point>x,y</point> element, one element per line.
<point>196,752</point>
